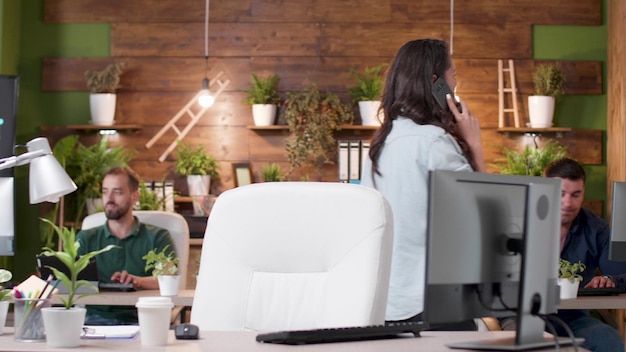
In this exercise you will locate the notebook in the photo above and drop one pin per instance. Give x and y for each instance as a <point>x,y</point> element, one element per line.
<point>90,273</point>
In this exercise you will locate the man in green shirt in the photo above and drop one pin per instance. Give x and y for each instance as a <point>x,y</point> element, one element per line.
<point>120,192</point>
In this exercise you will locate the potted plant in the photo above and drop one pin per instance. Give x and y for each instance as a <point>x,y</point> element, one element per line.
<point>102,86</point>
<point>313,117</point>
<point>367,94</point>
<point>64,324</point>
<point>548,80</point>
<point>569,277</point>
<point>262,96</point>
<point>149,199</point>
<point>164,266</point>
<point>5,298</point>
<point>86,165</point>
<point>531,161</point>
<point>199,168</point>
<point>272,173</point>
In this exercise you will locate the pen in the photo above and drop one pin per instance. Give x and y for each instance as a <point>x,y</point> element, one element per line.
<point>56,282</point>
<point>46,286</point>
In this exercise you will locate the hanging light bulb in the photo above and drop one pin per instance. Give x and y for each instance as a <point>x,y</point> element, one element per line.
<point>206,99</point>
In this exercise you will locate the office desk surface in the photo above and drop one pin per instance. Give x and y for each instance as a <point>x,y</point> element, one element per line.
<point>594,302</point>
<point>184,298</point>
<point>245,341</point>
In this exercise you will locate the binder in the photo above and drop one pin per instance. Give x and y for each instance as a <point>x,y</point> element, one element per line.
<point>355,161</point>
<point>365,150</point>
<point>343,161</point>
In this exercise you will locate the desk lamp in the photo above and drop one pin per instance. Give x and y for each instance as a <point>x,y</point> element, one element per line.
<point>48,182</point>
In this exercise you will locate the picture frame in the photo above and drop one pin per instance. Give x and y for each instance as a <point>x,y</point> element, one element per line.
<point>242,174</point>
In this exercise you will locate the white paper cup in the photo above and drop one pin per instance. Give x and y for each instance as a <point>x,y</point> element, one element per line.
<point>154,320</point>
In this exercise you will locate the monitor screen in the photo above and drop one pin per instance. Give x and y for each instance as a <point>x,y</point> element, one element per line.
<point>493,249</point>
<point>617,246</point>
<point>7,228</point>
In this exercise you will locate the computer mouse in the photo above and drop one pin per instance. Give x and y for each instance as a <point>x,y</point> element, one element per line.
<point>186,331</point>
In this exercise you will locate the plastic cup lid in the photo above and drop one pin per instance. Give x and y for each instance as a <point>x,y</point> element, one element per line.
<point>154,302</point>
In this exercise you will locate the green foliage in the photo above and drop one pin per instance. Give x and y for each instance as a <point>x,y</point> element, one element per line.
<point>105,81</point>
<point>149,199</point>
<point>272,173</point>
<point>75,264</point>
<point>370,84</point>
<point>161,263</point>
<point>190,161</point>
<point>532,161</point>
<point>548,80</point>
<point>262,91</point>
<point>570,271</point>
<point>5,294</point>
<point>87,166</point>
<point>313,117</point>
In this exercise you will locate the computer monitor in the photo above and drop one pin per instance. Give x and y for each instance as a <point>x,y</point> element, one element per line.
<point>7,222</point>
<point>617,245</point>
<point>493,245</point>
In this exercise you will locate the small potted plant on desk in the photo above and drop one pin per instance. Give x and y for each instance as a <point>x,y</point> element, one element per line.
<point>164,266</point>
<point>263,98</point>
<point>64,324</point>
<point>569,278</point>
<point>5,298</point>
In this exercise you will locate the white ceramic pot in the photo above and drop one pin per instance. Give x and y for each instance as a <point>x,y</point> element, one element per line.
<point>370,116</point>
<point>4,310</point>
<point>569,289</point>
<point>94,205</point>
<point>168,284</point>
<point>264,114</point>
<point>102,106</point>
<point>540,111</point>
<point>63,326</point>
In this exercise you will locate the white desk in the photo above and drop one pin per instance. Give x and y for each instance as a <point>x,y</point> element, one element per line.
<point>245,341</point>
<point>184,298</point>
<point>616,304</point>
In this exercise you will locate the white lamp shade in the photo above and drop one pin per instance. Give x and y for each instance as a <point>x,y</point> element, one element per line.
<point>48,180</point>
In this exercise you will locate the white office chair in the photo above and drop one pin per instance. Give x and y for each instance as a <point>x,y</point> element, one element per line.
<point>173,222</point>
<point>294,255</point>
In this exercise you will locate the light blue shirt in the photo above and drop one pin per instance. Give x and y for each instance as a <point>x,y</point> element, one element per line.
<point>409,153</point>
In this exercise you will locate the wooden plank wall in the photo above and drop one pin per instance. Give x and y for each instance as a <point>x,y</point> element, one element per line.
<point>304,42</point>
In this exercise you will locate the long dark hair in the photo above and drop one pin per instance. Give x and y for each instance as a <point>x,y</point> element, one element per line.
<point>408,93</point>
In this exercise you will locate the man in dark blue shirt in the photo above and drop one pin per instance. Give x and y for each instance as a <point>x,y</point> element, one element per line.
<point>585,237</point>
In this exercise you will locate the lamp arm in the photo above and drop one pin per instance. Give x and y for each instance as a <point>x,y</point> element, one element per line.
<point>21,159</point>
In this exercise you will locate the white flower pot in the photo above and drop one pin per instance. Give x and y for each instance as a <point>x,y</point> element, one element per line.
<point>63,326</point>
<point>540,111</point>
<point>569,289</point>
<point>264,114</point>
<point>168,284</point>
<point>102,107</point>
<point>370,116</point>
<point>4,310</point>
<point>94,205</point>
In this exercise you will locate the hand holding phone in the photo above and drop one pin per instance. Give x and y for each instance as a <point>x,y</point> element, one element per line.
<point>440,90</point>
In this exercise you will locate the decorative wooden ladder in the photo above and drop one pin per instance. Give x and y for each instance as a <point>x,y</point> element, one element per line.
<point>503,89</point>
<point>171,124</point>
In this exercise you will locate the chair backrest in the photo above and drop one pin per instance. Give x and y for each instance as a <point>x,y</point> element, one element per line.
<point>294,255</point>
<point>173,222</point>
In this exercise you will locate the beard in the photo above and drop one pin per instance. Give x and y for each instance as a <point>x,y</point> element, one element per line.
<point>116,213</point>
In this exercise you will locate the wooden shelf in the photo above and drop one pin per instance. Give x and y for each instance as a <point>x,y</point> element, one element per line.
<point>96,128</point>
<point>556,130</point>
<point>183,199</point>
<point>285,127</point>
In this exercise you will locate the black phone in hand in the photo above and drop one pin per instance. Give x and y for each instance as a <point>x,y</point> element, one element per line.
<point>440,90</point>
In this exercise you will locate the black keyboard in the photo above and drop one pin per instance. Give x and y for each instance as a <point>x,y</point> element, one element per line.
<point>373,332</point>
<point>115,287</point>
<point>600,291</point>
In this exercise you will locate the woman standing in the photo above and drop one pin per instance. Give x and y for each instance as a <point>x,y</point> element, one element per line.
<point>417,136</point>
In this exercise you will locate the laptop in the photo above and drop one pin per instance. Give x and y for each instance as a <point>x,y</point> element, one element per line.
<point>90,273</point>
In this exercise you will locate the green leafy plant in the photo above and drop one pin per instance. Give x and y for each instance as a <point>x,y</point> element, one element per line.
<point>262,91</point>
<point>5,294</point>
<point>105,81</point>
<point>549,80</point>
<point>161,263</point>
<point>86,165</point>
<point>531,161</point>
<point>69,257</point>
<point>570,271</point>
<point>369,84</point>
<point>272,173</point>
<point>149,199</point>
<point>313,117</point>
<point>190,161</point>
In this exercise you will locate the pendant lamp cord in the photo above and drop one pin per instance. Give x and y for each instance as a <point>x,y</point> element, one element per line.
<point>451,27</point>
<point>206,38</point>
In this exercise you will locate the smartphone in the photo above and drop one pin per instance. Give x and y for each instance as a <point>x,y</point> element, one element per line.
<point>440,90</point>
